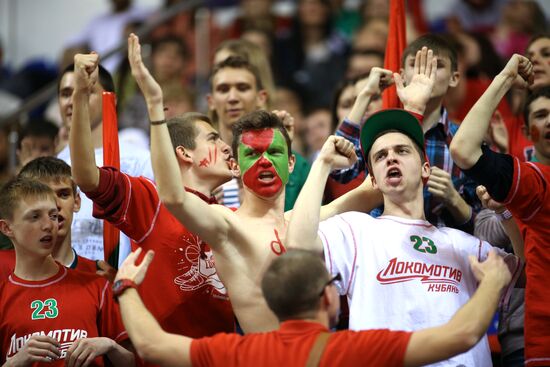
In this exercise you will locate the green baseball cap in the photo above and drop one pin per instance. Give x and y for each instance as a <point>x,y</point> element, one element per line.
<point>391,119</point>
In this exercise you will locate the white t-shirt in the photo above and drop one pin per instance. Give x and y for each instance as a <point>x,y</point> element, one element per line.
<point>404,274</point>
<point>87,231</point>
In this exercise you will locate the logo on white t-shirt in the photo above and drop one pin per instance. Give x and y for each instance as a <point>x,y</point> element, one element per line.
<point>439,278</point>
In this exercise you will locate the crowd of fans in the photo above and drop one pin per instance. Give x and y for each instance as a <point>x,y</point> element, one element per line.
<point>318,66</point>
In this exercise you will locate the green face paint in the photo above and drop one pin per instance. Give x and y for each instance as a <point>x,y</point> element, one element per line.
<point>263,157</point>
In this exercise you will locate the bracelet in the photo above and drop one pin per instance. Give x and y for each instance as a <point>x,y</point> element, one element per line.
<point>159,122</point>
<point>120,286</point>
<point>505,215</point>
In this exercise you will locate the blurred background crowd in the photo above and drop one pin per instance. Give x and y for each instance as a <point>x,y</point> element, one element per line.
<point>309,53</point>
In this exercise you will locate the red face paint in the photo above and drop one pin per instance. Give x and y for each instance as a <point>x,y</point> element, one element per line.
<point>205,162</point>
<point>269,185</point>
<point>258,139</point>
<point>262,165</point>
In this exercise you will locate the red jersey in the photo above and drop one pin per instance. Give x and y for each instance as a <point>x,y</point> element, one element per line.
<point>290,346</point>
<point>182,289</point>
<point>67,306</point>
<point>529,202</point>
<point>7,263</point>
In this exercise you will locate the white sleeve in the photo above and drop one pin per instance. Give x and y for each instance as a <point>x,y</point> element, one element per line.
<point>340,248</point>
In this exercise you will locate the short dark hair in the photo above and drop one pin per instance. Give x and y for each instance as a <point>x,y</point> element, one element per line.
<point>19,189</point>
<point>535,38</point>
<point>258,120</point>
<point>439,45</point>
<point>237,62</point>
<point>183,50</point>
<point>39,128</point>
<point>48,169</point>
<point>531,97</point>
<point>292,283</point>
<point>104,77</point>
<point>183,130</point>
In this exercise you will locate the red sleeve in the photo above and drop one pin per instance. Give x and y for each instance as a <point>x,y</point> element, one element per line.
<point>130,203</point>
<point>380,347</point>
<point>110,322</point>
<point>219,350</point>
<point>418,116</point>
<point>529,189</point>
<point>86,265</point>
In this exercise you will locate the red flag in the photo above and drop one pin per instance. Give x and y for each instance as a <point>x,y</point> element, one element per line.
<point>395,45</point>
<point>111,157</point>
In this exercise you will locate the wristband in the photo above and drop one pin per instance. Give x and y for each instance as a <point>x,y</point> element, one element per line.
<point>121,285</point>
<point>505,215</point>
<point>159,122</point>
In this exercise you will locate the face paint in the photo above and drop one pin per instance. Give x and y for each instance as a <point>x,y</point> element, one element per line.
<point>205,162</point>
<point>263,157</point>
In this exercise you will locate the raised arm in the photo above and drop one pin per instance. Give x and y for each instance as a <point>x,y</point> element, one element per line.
<point>152,343</point>
<point>349,128</point>
<point>83,165</point>
<point>470,322</point>
<point>378,80</point>
<point>466,145</point>
<point>416,94</point>
<point>304,220</point>
<point>205,220</point>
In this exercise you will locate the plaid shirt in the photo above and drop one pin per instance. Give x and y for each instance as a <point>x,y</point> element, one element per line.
<point>437,141</point>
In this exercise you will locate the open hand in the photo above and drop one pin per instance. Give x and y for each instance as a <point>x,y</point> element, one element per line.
<point>129,269</point>
<point>418,91</point>
<point>147,84</point>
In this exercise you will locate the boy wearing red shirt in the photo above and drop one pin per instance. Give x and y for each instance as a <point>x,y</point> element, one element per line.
<point>50,313</point>
<point>184,291</point>
<point>57,175</point>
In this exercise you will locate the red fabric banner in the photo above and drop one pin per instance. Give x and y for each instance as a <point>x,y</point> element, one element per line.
<point>111,157</point>
<point>396,43</point>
